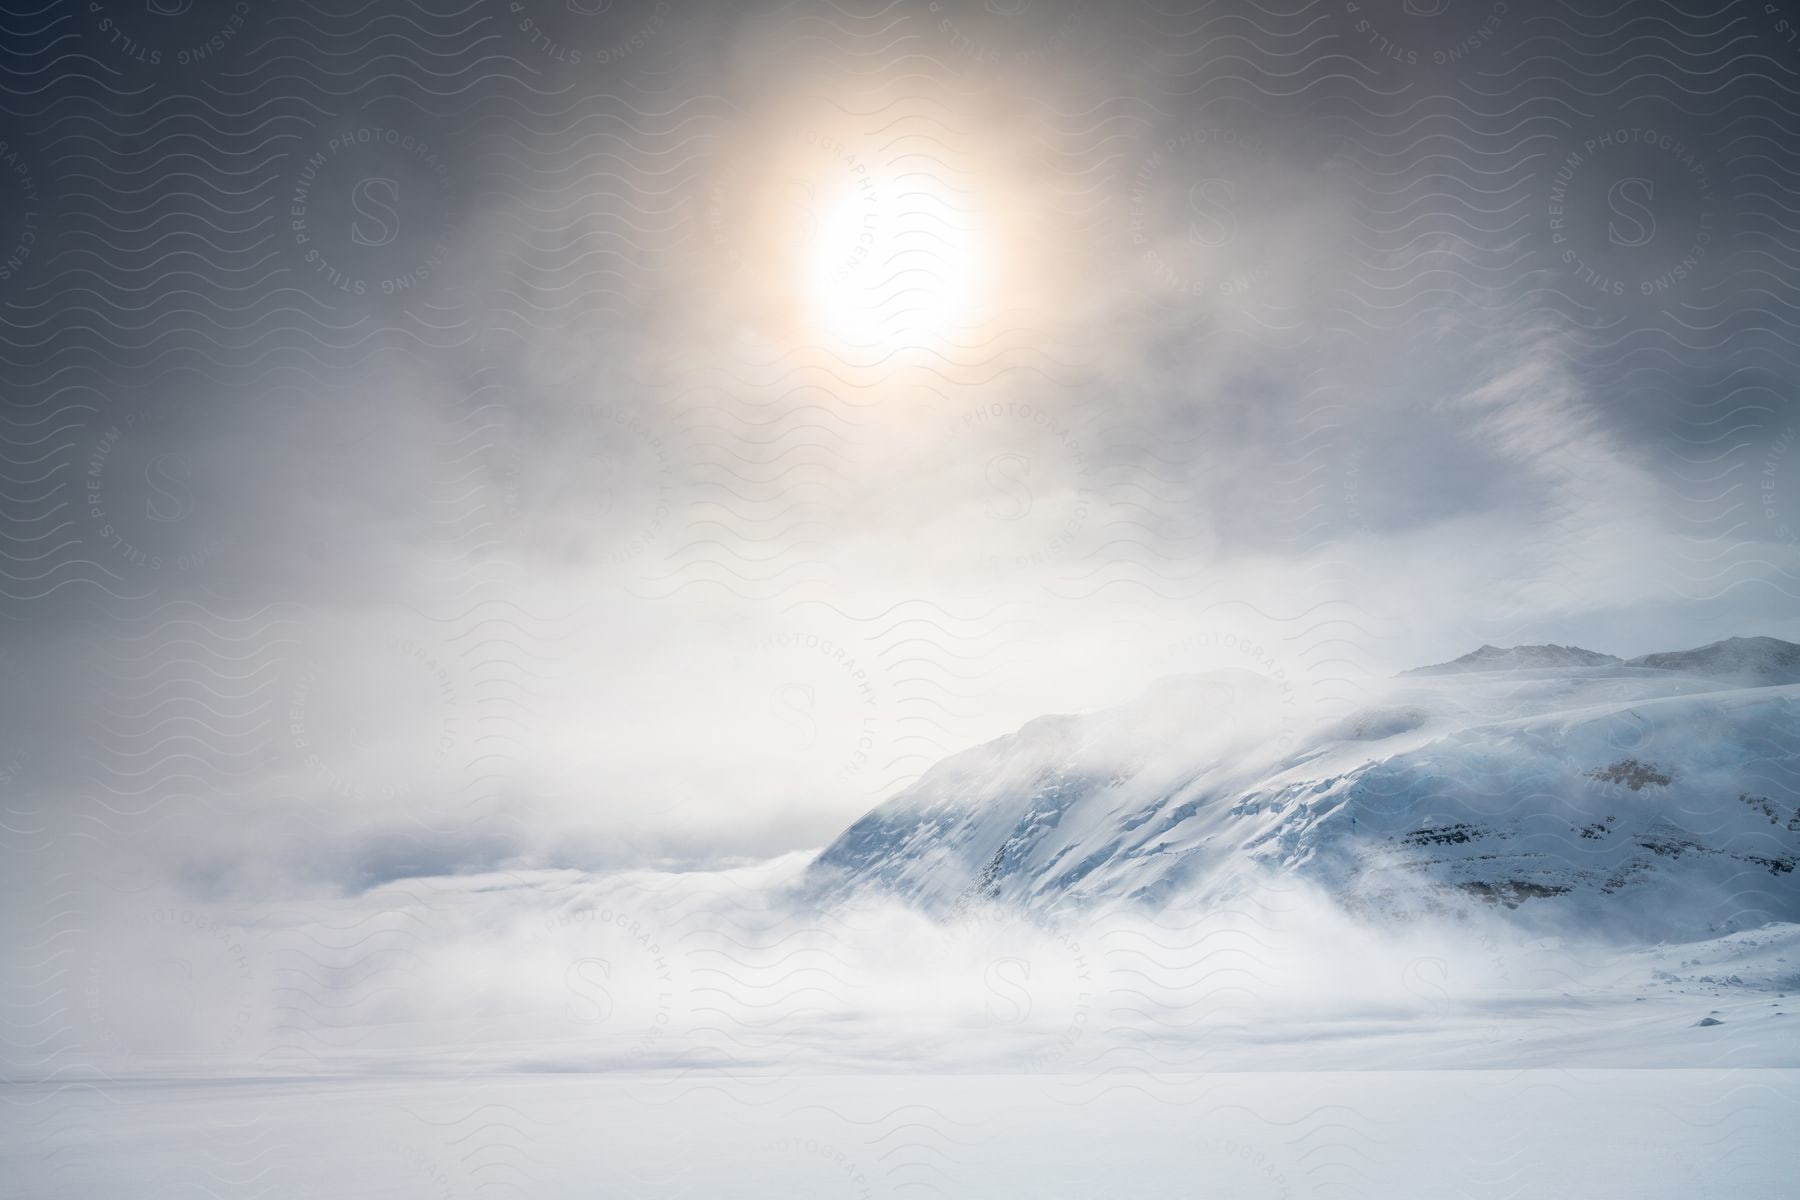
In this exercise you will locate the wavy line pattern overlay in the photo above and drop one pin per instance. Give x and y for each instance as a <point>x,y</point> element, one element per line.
<point>489,487</point>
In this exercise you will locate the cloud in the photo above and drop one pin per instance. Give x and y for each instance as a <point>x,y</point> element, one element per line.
<point>762,440</point>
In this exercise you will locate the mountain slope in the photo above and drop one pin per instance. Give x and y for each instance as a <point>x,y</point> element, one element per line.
<point>1517,658</point>
<point>1752,661</point>
<point>1611,796</point>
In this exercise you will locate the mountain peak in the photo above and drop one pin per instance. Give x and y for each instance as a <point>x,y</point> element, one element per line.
<point>1581,794</point>
<point>1518,658</point>
<point>1761,660</point>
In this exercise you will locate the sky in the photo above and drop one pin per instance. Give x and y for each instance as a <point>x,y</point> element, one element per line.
<point>577,435</point>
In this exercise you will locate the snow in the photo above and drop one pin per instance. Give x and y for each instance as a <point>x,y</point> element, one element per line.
<point>1749,661</point>
<point>1398,1135</point>
<point>1516,658</point>
<point>1616,800</point>
<point>1523,931</point>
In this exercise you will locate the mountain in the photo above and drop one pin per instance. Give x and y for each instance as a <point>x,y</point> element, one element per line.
<point>1643,799</point>
<point>1517,658</point>
<point>1752,661</point>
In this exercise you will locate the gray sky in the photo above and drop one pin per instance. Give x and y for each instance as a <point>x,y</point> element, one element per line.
<point>440,440</point>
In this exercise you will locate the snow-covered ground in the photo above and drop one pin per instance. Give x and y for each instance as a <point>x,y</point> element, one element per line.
<point>563,971</point>
<point>1523,926</point>
<point>553,1034</point>
<point>1396,1135</point>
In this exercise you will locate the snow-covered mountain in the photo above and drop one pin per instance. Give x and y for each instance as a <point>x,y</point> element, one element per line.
<point>1515,658</point>
<point>1658,797</point>
<point>1750,661</point>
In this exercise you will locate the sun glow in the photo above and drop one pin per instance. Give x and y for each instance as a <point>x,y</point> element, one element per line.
<point>895,263</point>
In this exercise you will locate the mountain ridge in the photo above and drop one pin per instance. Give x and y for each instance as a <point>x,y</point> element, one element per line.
<point>1614,794</point>
<point>1497,658</point>
<point>1765,659</point>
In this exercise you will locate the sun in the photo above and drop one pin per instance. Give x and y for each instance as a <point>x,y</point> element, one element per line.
<point>894,263</point>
